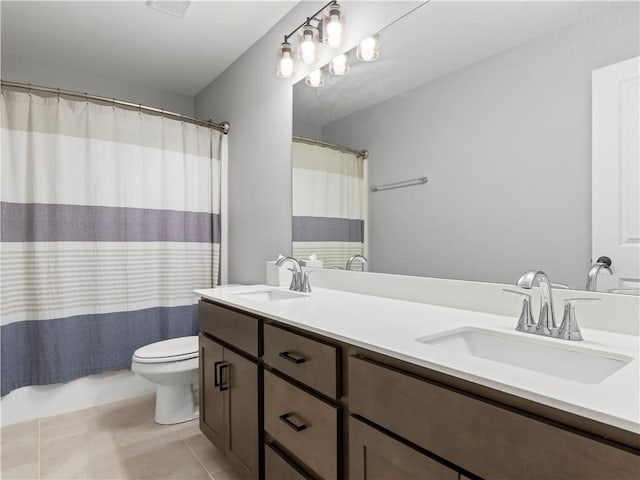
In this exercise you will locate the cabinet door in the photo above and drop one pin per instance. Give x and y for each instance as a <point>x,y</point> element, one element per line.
<point>211,397</point>
<point>374,455</point>
<point>240,379</point>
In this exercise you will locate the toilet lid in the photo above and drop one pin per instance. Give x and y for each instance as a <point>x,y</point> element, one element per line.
<point>171,350</point>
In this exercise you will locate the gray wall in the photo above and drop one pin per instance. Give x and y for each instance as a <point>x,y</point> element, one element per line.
<point>25,70</point>
<point>506,144</point>
<point>306,129</point>
<point>258,105</point>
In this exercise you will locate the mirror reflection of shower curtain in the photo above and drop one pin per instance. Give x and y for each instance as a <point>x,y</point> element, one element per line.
<point>329,204</point>
<point>110,218</point>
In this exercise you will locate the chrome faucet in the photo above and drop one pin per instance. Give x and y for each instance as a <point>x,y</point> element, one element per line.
<point>603,263</point>
<point>299,279</point>
<point>356,257</point>
<point>546,320</point>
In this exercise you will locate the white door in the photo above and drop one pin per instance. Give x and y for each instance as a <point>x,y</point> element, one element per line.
<point>616,171</point>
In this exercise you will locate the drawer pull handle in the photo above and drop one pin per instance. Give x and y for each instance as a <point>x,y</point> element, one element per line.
<point>216,381</point>
<point>293,357</point>
<point>296,426</point>
<point>224,384</point>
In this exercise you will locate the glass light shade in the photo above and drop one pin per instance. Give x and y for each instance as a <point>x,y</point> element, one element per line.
<point>315,79</point>
<point>340,65</point>
<point>285,66</point>
<point>333,26</point>
<point>369,49</point>
<point>307,44</point>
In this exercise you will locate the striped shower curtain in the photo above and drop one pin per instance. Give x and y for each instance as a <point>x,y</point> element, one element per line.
<point>109,219</point>
<point>329,204</point>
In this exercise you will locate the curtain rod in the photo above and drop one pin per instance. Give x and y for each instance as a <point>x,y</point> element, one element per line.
<point>221,127</point>
<point>310,141</point>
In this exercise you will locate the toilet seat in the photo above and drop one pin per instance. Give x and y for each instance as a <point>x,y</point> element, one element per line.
<point>172,350</point>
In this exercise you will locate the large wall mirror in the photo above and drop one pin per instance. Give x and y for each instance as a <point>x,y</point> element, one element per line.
<point>492,103</point>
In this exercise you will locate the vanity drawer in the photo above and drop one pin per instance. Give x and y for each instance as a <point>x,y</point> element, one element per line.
<point>240,330</point>
<point>481,437</point>
<point>306,426</point>
<point>311,362</point>
<point>373,455</point>
<point>278,467</point>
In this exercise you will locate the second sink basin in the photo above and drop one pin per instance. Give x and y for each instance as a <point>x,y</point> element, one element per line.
<point>573,363</point>
<point>270,295</point>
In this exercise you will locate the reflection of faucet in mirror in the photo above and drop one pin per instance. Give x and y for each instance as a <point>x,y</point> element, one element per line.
<point>546,320</point>
<point>603,263</point>
<point>362,258</point>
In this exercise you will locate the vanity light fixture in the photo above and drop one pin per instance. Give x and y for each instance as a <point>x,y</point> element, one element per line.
<point>285,66</point>
<point>369,49</point>
<point>340,65</point>
<point>328,28</point>
<point>315,79</point>
<point>334,25</point>
<point>308,41</point>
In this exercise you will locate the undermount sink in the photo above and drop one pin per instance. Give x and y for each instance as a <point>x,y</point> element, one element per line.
<point>270,295</point>
<point>573,363</point>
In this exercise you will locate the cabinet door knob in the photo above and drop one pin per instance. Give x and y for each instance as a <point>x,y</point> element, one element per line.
<point>293,357</point>
<point>296,426</point>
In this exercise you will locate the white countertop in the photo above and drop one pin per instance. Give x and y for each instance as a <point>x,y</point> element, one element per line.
<point>390,327</point>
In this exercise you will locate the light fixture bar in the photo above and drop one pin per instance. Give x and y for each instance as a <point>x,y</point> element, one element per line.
<point>309,19</point>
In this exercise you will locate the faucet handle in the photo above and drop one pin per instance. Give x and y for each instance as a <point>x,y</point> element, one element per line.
<point>305,285</point>
<point>569,329</point>
<point>525,322</point>
<point>295,280</point>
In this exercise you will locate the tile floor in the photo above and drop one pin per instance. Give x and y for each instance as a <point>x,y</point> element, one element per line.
<point>115,441</point>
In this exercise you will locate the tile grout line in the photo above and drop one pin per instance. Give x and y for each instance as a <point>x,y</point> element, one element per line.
<point>196,457</point>
<point>116,452</point>
<point>39,453</point>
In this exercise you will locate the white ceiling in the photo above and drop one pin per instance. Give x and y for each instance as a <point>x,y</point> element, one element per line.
<point>130,41</point>
<point>436,39</point>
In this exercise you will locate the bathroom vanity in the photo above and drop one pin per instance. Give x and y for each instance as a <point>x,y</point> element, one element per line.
<point>344,385</point>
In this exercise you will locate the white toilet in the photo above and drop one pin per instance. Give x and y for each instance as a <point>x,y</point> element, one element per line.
<point>173,365</point>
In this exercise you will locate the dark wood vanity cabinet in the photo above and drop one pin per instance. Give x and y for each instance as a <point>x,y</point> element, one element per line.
<point>212,420</point>
<point>306,426</point>
<point>479,436</point>
<point>279,466</point>
<point>311,362</point>
<point>374,455</point>
<point>302,414</point>
<point>286,404</point>
<point>231,403</point>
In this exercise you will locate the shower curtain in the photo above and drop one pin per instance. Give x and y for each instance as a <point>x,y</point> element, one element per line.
<point>329,204</point>
<point>109,219</point>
